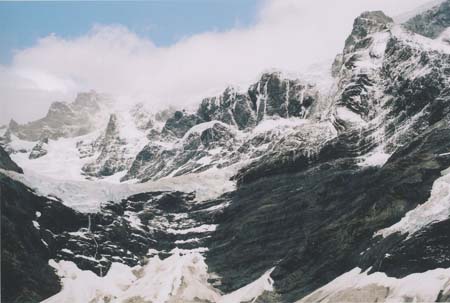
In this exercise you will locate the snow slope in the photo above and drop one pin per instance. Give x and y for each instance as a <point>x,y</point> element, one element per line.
<point>357,286</point>
<point>182,277</point>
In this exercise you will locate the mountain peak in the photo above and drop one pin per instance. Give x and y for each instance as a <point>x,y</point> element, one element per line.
<point>364,25</point>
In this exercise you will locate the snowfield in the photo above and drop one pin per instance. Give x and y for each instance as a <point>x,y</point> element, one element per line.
<point>182,277</point>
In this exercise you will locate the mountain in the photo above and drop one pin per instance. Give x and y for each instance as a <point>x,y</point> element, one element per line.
<point>63,119</point>
<point>280,192</point>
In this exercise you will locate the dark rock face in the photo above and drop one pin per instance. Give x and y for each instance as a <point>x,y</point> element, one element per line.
<point>124,232</point>
<point>7,163</point>
<point>62,120</point>
<point>39,150</point>
<point>275,96</point>
<point>366,24</point>
<point>26,275</point>
<point>231,108</point>
<point>328,214</point>
<point>271,96</point>
<point>156,161</point>
<point>180,123</point>
<point>36,229</point>
<point>327,207</point>
<point>432,22</point>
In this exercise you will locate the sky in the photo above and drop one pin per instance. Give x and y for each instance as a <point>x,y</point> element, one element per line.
<point>166,52</point>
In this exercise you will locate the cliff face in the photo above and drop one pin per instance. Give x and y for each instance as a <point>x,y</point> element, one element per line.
<point>6,162</point>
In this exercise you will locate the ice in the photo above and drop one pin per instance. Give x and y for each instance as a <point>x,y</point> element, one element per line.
<point>435,209</point>
<point>182,277</point>
<point>86,196</point>
<point>62,160</point>
<point>357,286</point>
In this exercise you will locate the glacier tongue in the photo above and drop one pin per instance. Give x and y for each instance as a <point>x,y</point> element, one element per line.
<point>86,196</point>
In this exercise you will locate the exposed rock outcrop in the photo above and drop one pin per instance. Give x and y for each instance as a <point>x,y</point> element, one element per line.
<point>6,162</point>
<point>432,22</point>
<point>40,149</point>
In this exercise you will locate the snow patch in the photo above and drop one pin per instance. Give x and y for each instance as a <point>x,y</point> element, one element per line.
<point>199,229</point>
<point>274,123</point>
<point>345,114</point>
<point>435,209</point>
<point>376,158</point>
<point>357,286</point>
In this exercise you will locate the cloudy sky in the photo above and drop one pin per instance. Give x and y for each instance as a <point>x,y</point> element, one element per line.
<point>163,52</point>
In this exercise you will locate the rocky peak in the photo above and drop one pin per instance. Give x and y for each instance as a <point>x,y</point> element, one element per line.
<point>63,119</point>
<point>88,100</point>
<point>111,148</point>
<point>142,117</point>
<point>274,95</point>
<point>59,109</point>
<point>112,127</point>
<point>13,125</point>
<point>364,25</point>
<point>231,107</point>
<point>39,150</point>
<point>432,22</point>
<point>180,123</point>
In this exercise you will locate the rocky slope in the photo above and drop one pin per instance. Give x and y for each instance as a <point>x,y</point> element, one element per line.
<point>232,128</point>
<point>6,163</point>
<point>432,22</point>
<point>339,196</point>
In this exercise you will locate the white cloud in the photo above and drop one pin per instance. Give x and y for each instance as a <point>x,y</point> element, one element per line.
<point>289,35</point>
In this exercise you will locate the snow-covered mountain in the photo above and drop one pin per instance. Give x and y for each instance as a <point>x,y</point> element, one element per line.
<point>282,191</point>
